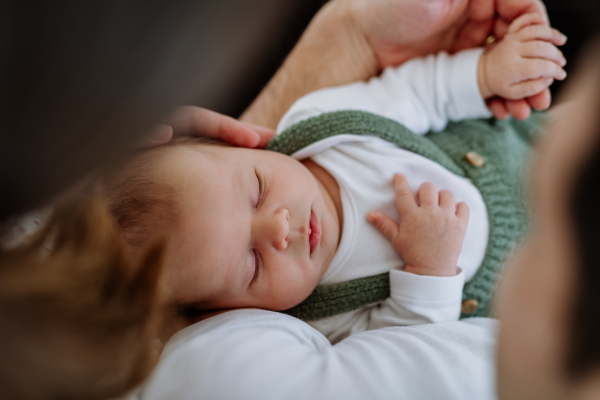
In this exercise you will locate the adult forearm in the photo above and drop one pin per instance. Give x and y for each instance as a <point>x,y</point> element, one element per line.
<point>331,52</point>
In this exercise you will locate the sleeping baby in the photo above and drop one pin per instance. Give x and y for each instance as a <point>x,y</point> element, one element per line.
<point>388,202</point>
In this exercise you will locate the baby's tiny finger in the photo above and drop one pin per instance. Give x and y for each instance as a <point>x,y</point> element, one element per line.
<point>462,212</point>
<point>427,195</point>
<point>405,200</point>
<point>544,50</point>
<point>529,88</point>
<point>542,32</point>
<point>447,200</point>
<point>384,224</point>
<point>534,68</point>
<point>525,20</point>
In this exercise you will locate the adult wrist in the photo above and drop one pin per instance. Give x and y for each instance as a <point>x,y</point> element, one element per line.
<point>337,27</point>
<point>333,51</point>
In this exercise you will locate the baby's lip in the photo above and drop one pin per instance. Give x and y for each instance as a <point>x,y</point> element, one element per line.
<point>314,231</point>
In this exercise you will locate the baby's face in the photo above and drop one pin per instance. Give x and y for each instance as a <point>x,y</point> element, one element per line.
<point>257,229</point>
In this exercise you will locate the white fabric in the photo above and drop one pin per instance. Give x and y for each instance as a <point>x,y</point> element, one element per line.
<point>255,354</point>
<point>364,166</point>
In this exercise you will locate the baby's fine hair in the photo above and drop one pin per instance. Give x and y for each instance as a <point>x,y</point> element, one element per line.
<point>142,201</point>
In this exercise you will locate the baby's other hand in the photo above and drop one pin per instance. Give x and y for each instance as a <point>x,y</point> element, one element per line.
<point>430,234</point>
<point>524,62</point>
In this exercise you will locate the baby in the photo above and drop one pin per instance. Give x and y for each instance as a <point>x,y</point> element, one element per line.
<point>256,228</point>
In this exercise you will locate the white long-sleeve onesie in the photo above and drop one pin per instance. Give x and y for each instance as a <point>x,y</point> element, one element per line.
<point>422,94</point>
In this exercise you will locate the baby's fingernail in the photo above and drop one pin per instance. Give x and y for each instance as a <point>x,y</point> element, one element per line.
<point>549,81</point>
<point>563,74</point>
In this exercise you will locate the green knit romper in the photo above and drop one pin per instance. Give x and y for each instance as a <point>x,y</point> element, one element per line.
<point>504,147</point>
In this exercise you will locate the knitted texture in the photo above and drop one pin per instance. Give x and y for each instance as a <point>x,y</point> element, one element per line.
<point>504,146</point>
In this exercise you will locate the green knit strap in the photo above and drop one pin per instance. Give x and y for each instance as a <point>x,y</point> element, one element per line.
<point>309,131</point>
<point>347,296</point>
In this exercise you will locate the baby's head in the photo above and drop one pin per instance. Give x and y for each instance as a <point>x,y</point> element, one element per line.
<point>246,227</point>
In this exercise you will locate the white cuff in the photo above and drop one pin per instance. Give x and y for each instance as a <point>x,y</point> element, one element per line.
<point>464,87</point>
<point>435,298</point>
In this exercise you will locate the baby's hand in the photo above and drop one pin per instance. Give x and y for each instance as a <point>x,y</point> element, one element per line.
<point>430,234</point>
<point>524,62</point>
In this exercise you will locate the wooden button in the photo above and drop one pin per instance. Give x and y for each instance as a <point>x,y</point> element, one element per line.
<point>475,159</point>
<point>468,306</point>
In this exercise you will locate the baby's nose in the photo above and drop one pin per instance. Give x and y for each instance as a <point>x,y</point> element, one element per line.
<point>281,228</point>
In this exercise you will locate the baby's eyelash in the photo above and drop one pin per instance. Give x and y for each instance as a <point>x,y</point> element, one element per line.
<point>257,267</point>
<point>261,189</point>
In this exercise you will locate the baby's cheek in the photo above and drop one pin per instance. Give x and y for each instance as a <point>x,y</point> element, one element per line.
<point>293,287</point>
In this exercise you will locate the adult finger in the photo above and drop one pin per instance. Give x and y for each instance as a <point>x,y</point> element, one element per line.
<point>161,135</point>
<point>535,68</point>
<point>519,109</point>
<point>266,134</point>
<point>540,101</point>
<point>500,28</point>
<point>462,212</point>
<point>405,200</point>
<point>482,10</point>
<point>473,34</point>
<point>384,224</point>
<point>529,88</point>
<point>498,107</point>
<point>447,200</point>
<point>428,195</point>
<point>543,50</point>
<point>198,121</point>
<point>542,32</point>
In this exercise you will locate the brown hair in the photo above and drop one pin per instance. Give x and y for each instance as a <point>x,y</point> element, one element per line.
<point>75,312</point>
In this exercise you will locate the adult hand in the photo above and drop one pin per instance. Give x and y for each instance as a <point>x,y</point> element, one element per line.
<point>354,40</point>
<point>196,121</point>
<point>398,30</point>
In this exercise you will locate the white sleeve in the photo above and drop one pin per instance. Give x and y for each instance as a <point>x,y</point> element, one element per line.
<point>423,94</point>
<point>255,354</point>
<point>416,299</point>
